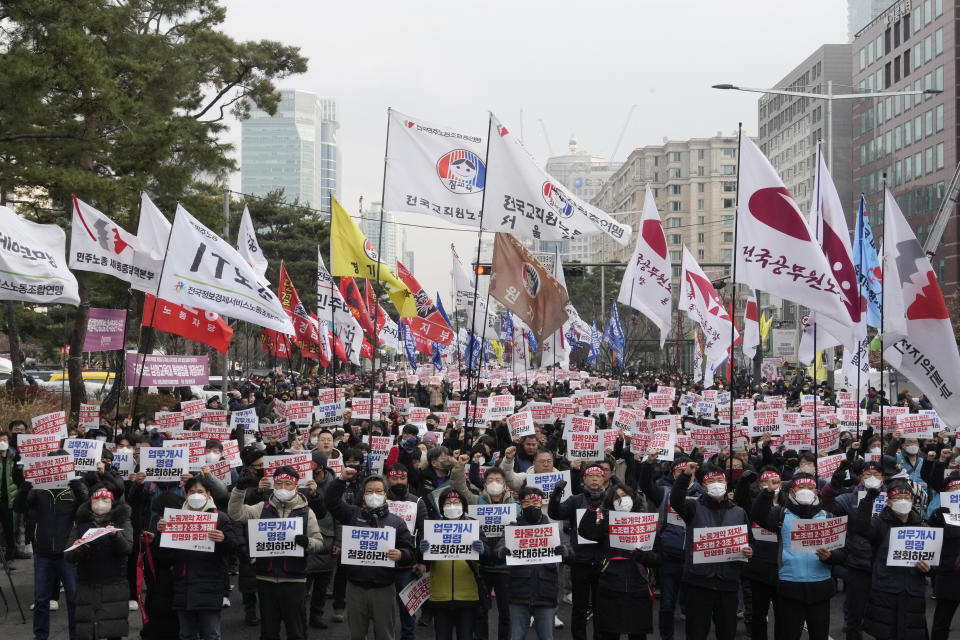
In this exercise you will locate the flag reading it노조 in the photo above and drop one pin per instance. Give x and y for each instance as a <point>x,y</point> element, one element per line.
<point>775,250</point>
<point>153,230</point>
<point>353,256</point>
<point>700,301</point>
<point>866,261</point>
<point>202,270</point>
<point>249,248</point>
<point>520,283</point>
<point>751,327</point>
<point>99,245</point>
<point>918,334</point>
<point>646,282</point>
<point>523,200</point>
<point>433,170</point>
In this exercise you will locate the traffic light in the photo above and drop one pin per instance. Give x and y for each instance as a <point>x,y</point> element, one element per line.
<point>482,269</point>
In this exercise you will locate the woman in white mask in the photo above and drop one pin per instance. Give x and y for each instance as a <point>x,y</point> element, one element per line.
<point>455,585</point>
<point>896,606</point>
<point>628,546</point>
<point>198,575</point>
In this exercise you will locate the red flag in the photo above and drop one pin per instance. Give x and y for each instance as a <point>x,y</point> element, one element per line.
<point>307,333</point>
<point>366,351</point>
<point>351,295</point>
<point>275,343</point>
<point>337,348</point>
<point>429,323</point>
<point>205,327</point>
<point>424,345</point>
<point>374,307</point>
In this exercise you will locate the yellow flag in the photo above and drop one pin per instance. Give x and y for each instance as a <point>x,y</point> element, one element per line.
<point>353,256</point>
<point>497,350</point>
<point>765,324</point>
<point>819,370</point>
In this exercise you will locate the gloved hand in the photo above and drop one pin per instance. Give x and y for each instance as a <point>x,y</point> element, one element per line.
<point>25,486</point>
<point>301,540</point>
<point>559,487</point>
<point>246,481</point>
<point>748,476</point>
<point>79,488</point>
<point>477,545</point>
<point>872,494</point>
<point>424,546</point>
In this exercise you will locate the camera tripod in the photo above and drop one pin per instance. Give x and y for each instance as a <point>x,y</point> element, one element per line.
<point>3,596</point>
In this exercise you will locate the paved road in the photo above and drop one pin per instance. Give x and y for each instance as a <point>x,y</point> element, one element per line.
<point>234,628</point>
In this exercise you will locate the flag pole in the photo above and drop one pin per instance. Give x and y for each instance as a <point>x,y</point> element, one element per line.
<point>816,230</point>
<point>476,273</point>
<point>376,304</point>
<point>733,291</point>
<point>556,263</point>
<point>883,222</point>
<point>861,209</point>
<point>629,320</point>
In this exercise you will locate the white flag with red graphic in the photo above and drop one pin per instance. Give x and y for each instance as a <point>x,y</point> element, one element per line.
<point>153,231</point>
<point>751,326</point>
<point>775,250</point>
<point>701,303</point>
<point>918,339</point>
<point>646,283</point>
<point>99,245</point>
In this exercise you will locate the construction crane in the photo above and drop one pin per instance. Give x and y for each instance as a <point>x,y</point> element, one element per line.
<point>616,147</point>
<point>545,136</point>
<point>943,215</point>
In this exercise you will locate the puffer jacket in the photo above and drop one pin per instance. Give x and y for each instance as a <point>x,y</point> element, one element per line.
<point>583,553</point>
<point>621,570</point>
<point>537,585</point>
<point>876,529</point>
<point>50,515</point>
<point>859,552</point>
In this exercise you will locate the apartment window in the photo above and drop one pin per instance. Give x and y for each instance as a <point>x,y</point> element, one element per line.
<point>674,156</point>
<point>928,49</point>
<point>878,85</point>
<point>917,19</point>
<point>726,220</point>
<point>729,203</point>
<point>675,269</point>
<point>887,40</point>
<point>728,236</point>
<point>938,41</point>
<point>727,254</point>
<point>728,169</point>
<point>888,142</point>
<point>939,117</point>
<point>927,12</point>
<point>898,173</point>
<point>928,122</point>
<point>879,46</point>
<point>907,134</point>
<point>938,8</point>
<point>896,69</point>
<point>675,238</point>
<point>897,139</point>
<point>870,53</point>
<point>675,205</point>
<point>896,34</point>
<point>729,187</point>
<point>941,269</point>
<point>701,171</point>
<point>730,153</point>
<point>863,155</point>
<point>701,237</point>
<point>938,80</point>
<point>908,169</point>
<point>906,27</point>
<point>888,74</point>
<point>700,219</point>
<point>917,129</point>
<point>674,223</point>
<point>906,62</point>
<point>700,254</point>
<point>700,204</point>
<point>673,174</point>
<point>675,189</point>
<point>863,59</point>
<point>918,164</point>
<point>700,155</point>
<point>675,256</point>
<point>700,187</point>
<point>940,156</point>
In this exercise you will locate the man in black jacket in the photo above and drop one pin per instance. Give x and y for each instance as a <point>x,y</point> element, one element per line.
<point>50,514</point>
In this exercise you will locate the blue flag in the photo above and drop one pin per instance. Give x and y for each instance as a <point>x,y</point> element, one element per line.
<point>506,327</point>
<point>409,345</point>
<point>488,351</point>
<point>613,334</point>
<point>594,345</point>
<point>441,310</point>
<point>474,350</point>
<point>532,342</point>
<point>437,349</point>
<point>866,262</point>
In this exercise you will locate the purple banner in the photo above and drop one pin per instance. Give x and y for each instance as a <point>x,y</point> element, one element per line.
<point>105,330</point>
<point>167,371</point>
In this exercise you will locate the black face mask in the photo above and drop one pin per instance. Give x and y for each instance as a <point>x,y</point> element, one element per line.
<point>258,473</point>
<point>845,442</point>
<point>399,491</point>
<point>532,514</point>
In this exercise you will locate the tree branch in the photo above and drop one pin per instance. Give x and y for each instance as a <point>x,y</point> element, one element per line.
<point>240,78</point>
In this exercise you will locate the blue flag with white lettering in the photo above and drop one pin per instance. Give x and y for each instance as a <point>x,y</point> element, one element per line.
<point>506,327</point>
<point>594,344</point>
<point>437,353</point>
<point>409,345</point>
<point>613,334</point>
<point>866,262</point>
<point>442,311</point>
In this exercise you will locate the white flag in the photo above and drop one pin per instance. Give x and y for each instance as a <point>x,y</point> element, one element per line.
<point>918,335</point>
<point>202,270</point>
<point>520,352</point>
<point>555,350</point>
<point>153,230</point>
<point>434,170</point>
<point>98,245</point>
<point>33,265</point>
<point>646,282</point>
<point>524,200</point>
<point>701,303</point>
<point>389,335</point>
<point>331,303</point>
<point>856,364</point>
<point>323,295</point>
<point>462,283</point>
<point>775,251</point>
<point>249,248</point>
<point>751,327</point>
<point>697,358</point>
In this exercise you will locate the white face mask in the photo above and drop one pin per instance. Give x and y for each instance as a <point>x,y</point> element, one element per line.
<point>196,501</point>
<point>212,457</point>
<point>872,482</point>
<point>102,438</point>
<point>4,445</point>
<point>101,507</point>
<point>495,488</point>
<point>374,500</point>
<point>901,507</point>
<point>623,504</point>
<point>717,489</point>
<point>875,451</point>
<point>284,495</point>
<point>452,511</point>
<point>806,468</point>
<point>805,496</point>
<point>911,449</point>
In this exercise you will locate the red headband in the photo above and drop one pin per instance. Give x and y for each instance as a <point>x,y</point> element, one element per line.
<point>716,475</point>
<point>102,493</point>
<point>800,482</point>
<point>593,469</point>
<point>396,473</point>
<point>679,465</point>
<point>767,475</point>
<point>452,494</point>
<point>953,484</point>
<point>896,493</point>
<point>534,497</point>
<point>284,476</point>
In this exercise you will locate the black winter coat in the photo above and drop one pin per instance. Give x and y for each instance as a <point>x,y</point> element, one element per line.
<point>947,584</point>
<point>537,585</point>
<point>50,515</point>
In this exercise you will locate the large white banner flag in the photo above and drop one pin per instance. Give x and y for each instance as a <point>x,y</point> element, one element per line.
<point>775,250</point>
<point>434,170</point>
<point>33,265</point>
<point>249,248</point>
<point>202,270</point>
<point>153,230</point>
<point>524,200</point>
<point>918,337</point>
<point>646,282</point>
<point>700,301</point>
<point>389,335</point>
<point>98,245</point>
<point>324,286</point>
<point>330,301</point>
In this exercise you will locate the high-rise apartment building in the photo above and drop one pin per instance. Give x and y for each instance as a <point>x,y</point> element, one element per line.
<point>909,143</point>
<point>791,126</point>
<point>295,149</point>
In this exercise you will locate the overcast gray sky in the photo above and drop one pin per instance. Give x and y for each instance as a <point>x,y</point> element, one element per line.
<point>577,65</point>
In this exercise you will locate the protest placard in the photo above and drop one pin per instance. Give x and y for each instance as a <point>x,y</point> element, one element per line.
<point>763,421</point>
<point>500,407</point>
<point>808,535</point>
<point>89,415</point>
<point>50,472</point>
<point>299,461</point>
<point>660,402</point>
<point>269,537</point>
<point>828,464</point>
<point>274,431</point>
<point>705,408</point>
<point>299,412</point>
<point>331,395</point>
<point>915,425</point>
<point>664,442</point>
<point>580,424</point>
<point>163,464</point>
<point>719,544</point>
<point>50,424</point>
<point>584,446</point>
<point>521,424</point>
<point>221,470</point>
<point>31,446</point>
<point>415,594</point>
<point>164,420</point>
<point>542,412</point>
<point>563,407</point>
<point>624,419</point>
<point>191,409</point>
<point>196,450</point>
<point>406,510</point>
<point>532,544</point>
<point>86,453</point>
<point>90,535</point>
<point>367,546</point>
<point>329,416</point>
<point>608,438</point>
<point>705,438</point>
<point>546,481</point>
<point>124,462</point>
<point>246,418</point>
<point>592,400</point>
<point>910,545</point>
<point>451,539</point>
<point>493,517</point>
<point>632,530</point>
<point>630,395</point>
<point>761,534</point>
<point>214,416</point>
<point>187,530</point>
<point>212,432</point>
<point>360,408</point>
